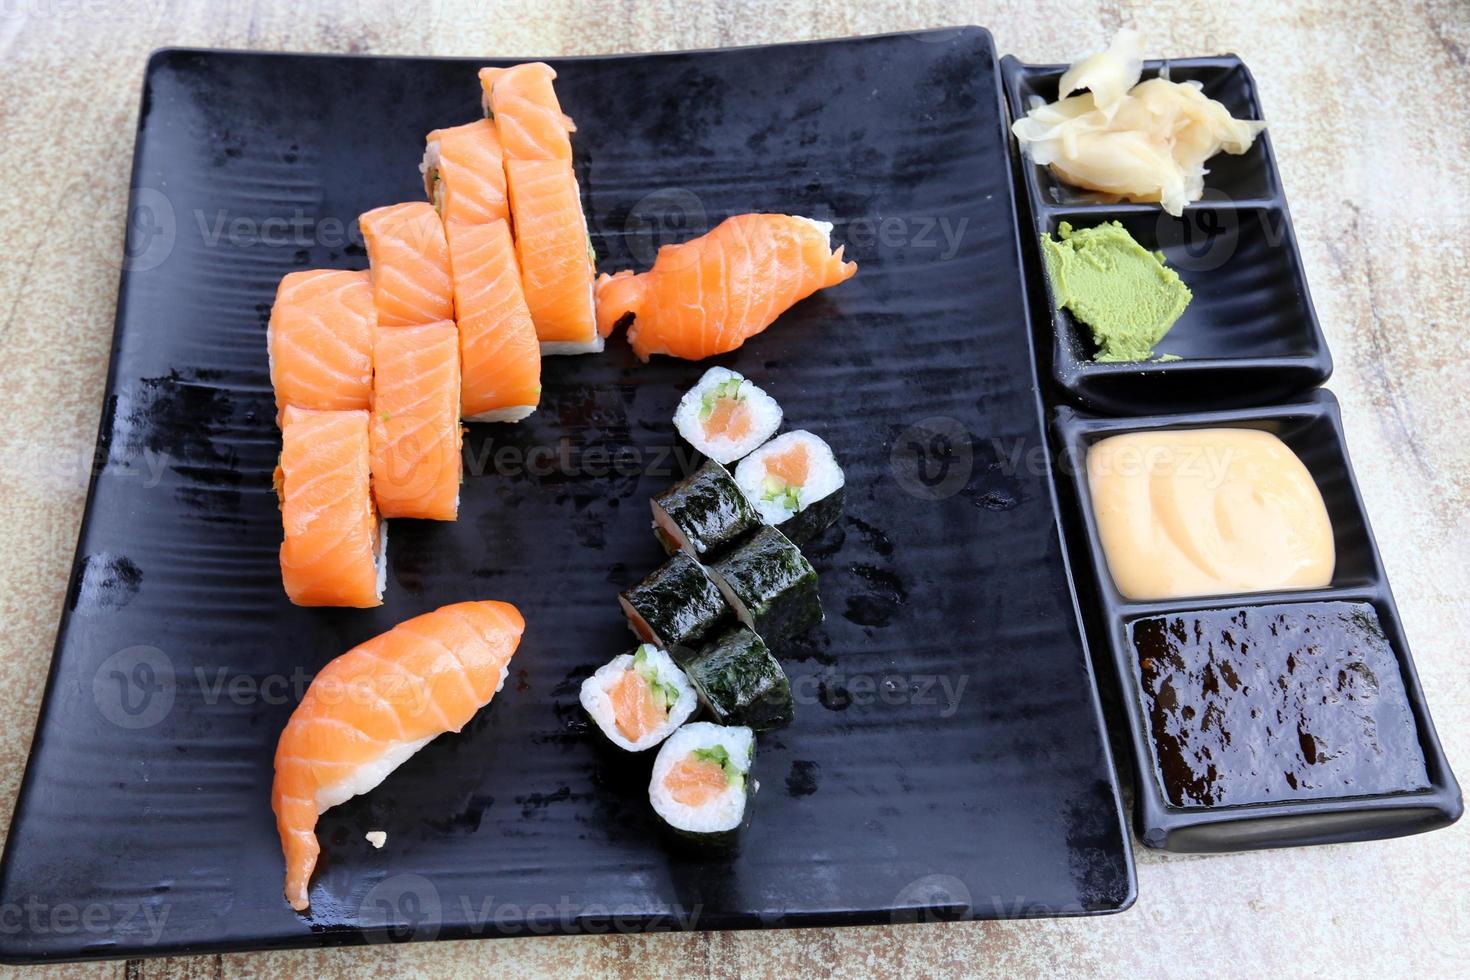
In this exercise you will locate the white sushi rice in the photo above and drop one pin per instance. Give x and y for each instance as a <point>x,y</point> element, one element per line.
<point>725,811</point>
<point>428,168</point>
<point>690,416</point>
<point>824,476</point>
<point>598,702</point>
<point>512,414</point>
<point>380,559</point>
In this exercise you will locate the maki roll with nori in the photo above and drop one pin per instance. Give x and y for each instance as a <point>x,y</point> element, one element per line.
<point>794,483</point>
<point>639,698</point>
<point>701,780</point>
<point>770,585</point>
<point>675,607</point>
<point>703,514</point>
<point>740,682</point>
<point>725,415</point>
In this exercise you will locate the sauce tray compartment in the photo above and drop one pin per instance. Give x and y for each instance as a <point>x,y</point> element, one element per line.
<point>1311,426</point>
<point>1251,335</point>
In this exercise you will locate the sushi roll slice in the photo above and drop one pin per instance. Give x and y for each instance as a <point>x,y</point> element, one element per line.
<point>675,607</point>
<point>320,340</point>
<point>639,698</point>
<point>464,174</point>
<point>408,258</point>
<point>701,781</point>
<point>500,359</point>
<point>333,549</point>
<point>703,514</point>
<point>740,681</point>
<point>415,434</point>
<point>770,585</point>
<point>794,483</point>
<point>725,415</point>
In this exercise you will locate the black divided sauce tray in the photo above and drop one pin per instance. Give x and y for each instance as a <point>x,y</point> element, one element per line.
<point>947,757</point>
<point>1311,426</point>
<point>1250,335</point>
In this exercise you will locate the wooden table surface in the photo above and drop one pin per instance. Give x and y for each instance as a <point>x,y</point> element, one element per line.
<point>1367,106</point>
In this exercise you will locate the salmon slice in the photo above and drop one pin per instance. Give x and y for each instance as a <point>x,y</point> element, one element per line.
<point>415,432</point>
<point>409,260</point>
<point>320,340</point>
<point>709,295</point>
<point>464,174</point>
<point>557,265</point>
<point>528,117</point>
<point>501,361</point>
<point>635,711</point>
<point>694,782</point>
<point>369,710</point>
<point>790,467</point>
<point>333,547</point>
<point>728,419</point>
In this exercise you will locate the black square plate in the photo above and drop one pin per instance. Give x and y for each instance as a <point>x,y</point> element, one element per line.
<point>1312,427</point>
<point>1250,335</point>
<point>947,757</point>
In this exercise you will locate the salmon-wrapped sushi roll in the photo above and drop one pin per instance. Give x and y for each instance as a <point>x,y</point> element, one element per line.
<point>368,711</point>
<point>555,251</point>
<point>332,554</point>
<point>464,174</point>
<point>409,261</point>
<point>709,295</point>
<point>415,432</point>
<point>500,359</point>
<point>320,340</point>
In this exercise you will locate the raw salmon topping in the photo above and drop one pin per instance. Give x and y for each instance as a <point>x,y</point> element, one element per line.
<point>635,707</point>
<point>694,781</point>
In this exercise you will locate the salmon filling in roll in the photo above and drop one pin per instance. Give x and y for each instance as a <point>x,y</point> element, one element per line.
<point>638,699</point>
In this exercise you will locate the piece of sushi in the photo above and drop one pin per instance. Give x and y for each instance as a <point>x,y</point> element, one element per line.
<point>557,263</point>
<point>741,682</point>
<point>464,174</point>
<point>770,585</point>
<point>704,514</point>
<point>333,549</point>
<point>522,101</point>
<point>639,698</point>
<point>409,261</point>
<point>415,430</point>
<point>320,340</point>
<point>369,710</point>
<point>712,293</point>
<point>675,607</point>
<point>725,416</point>
<point>701,781</point>
<point>794,483</point>
<point>500,357</point>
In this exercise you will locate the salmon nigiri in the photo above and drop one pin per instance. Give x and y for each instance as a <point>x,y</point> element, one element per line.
<point>373,707</point>
<point>500,359</point>
<point>557,264</point>
<point>409,261</point>
<point>332,554</point>
<point>415,432</point>
<point>528,117</point>
<point>709,295</point>
<point>464,173</point>
<point>320,340</point>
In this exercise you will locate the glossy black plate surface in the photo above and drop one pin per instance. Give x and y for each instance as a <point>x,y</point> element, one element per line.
<point>1250,335</point>
<point>947,758</point>
<point>1312,427</point>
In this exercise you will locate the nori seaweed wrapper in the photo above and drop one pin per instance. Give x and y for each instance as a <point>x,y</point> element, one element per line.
<point>710,510</point>
<point>770,585</point>
<point>679,604</point>
<point>740,681</point>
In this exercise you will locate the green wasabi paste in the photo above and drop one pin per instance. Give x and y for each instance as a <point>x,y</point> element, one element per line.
<point>1122,291</point>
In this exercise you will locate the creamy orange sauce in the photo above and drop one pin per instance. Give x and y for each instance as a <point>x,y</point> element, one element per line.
<point>694,782</point>
<point>1201,512</point>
